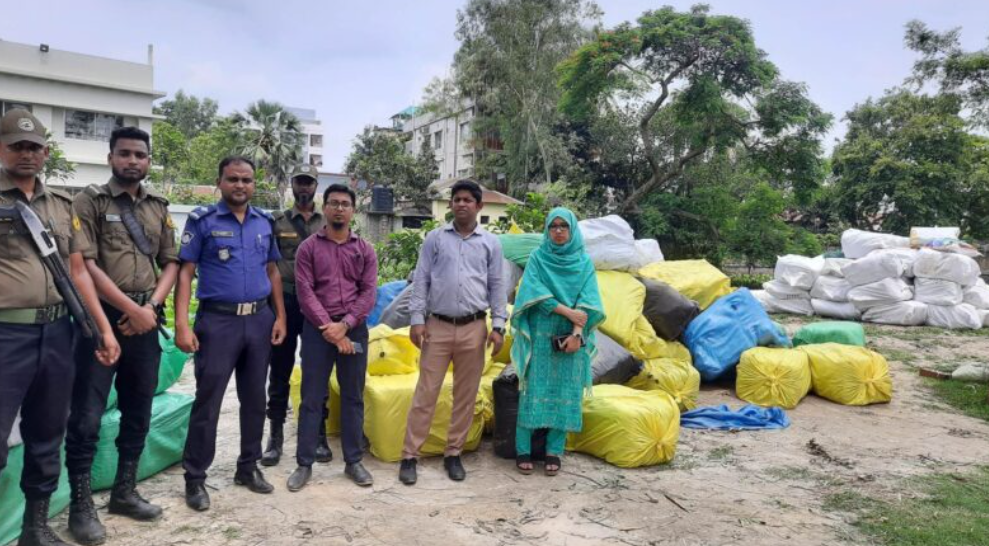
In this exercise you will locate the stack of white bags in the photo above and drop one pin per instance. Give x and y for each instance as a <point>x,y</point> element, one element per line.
<point>881,279</point>
<point>611,244</point>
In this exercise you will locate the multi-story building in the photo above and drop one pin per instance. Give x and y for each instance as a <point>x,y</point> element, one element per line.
<point>312,146</point>
<point>449,135</point>
<point>80,98</point>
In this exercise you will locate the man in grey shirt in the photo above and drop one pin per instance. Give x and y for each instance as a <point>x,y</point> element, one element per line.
<point>457,279</point>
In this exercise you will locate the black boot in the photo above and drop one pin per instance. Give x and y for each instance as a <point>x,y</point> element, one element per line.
<point>36,531</point>
<point>84,524</point>
<point>124,498</point>
<point>273,453</point>
<point>323,452</point>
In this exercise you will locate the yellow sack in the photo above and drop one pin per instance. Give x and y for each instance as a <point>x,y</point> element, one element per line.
<point>623,297</point>
<point>854,376</point>
<point>628,428</point>
<point>391,352</point>
<point>387,400</point>
<point>675,377</point>
<point>773,377</point>
<point>695,279</point>
<point>494,369</point>
<point>504,356</point>
<point>333,404</point>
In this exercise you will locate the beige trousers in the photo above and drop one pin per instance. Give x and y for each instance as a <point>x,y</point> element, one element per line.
<point>464,345</point>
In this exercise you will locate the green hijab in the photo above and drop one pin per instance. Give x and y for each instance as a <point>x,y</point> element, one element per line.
<point>564,273</point>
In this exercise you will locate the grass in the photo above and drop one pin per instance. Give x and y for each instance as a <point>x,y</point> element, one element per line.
<point>905,357</point>
<point>796,473</point>
<point>969,398</point>
<point>942,509</point>
<point>721,453</point>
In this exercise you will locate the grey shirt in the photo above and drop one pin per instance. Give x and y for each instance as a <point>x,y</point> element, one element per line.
<point>459,276</point>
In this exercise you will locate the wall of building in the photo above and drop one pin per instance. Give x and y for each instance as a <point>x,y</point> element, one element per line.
<point>492,212</point>
<point>455,152</point>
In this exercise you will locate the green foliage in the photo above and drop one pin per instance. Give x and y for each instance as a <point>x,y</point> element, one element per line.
<point>207,149</point>
<point>969,398</point>
<point>170,153</point>
<point>188,114</point>
<point>379,157</point>
<point>57,167</point>
<point>758,233</point>
<point>397,256</point>
<point>273,138</point>
<point>529,216</point>
<point>752,281</point>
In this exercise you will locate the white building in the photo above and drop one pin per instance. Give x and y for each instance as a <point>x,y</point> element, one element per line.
<point>451,137</point>
<point>80,99</point>
<point>312,147</point>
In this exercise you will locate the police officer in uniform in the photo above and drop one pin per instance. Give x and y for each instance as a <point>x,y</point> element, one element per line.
<point>127,233</point>
<point>291,228</point>
<point>36,333</point>
<point>232,244</point>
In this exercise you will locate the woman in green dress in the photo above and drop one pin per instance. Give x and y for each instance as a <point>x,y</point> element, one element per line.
<point>558,298</point>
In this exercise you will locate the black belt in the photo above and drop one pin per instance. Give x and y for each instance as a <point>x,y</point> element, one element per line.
<point>239,309</point>
<point>459,321</point>
<point>140,298</point>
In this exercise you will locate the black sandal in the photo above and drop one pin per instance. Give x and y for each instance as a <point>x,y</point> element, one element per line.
<point>553,460</point>
<point>522,459</point>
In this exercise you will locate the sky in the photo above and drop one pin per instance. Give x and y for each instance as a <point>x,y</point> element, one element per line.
<point>358,63</point>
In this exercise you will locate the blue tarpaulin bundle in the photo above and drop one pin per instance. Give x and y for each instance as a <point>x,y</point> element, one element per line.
<point>733,324</point>
<point>747,417</point>
<point>386,294</point>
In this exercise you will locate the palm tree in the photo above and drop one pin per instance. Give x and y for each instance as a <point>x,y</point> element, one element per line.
<point>273,138</point>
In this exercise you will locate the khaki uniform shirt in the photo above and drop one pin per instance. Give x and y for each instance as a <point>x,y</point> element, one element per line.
<point>106,239</point>
<point>25,283</point>
<point>289,241</point>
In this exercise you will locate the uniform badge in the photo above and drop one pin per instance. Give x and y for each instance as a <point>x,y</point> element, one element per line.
<point>168,222</point>
<point>76,224</point>
<point>187,237</point>
<point>25,124</point>
<point>224,254</point>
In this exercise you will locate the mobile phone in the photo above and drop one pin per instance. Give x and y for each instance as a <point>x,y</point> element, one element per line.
<point>358,348</point>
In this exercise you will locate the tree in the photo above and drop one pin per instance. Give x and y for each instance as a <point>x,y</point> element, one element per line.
<point>57,167</point>
<point>758,233</point>
<point>379,157</point>
<point>170,153</point>
<point>505,64</point>
<point>699,85</point>
<point>273,138</point>
<point>207,149</point>
<point>188,113</point>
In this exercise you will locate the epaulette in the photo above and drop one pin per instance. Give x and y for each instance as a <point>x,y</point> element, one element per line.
<point>266,214</point>
<point>278,215</point>
<point>153,194</point>
<point>94,190</point>
<point>60,194</point>
<point>201,212</point>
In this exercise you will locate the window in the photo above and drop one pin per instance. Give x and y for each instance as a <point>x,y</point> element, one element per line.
<point>316,159</point>
<point>8,106</point>
<point>91,125</point>
<point>316,141</point>
<point>485,219</point>
<point>438,140</point>
<point>413,222</point>
<point>465,131</point>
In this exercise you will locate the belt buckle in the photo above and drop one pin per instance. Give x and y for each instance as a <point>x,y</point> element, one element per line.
<point>246,308</point>
<point>46,315</point>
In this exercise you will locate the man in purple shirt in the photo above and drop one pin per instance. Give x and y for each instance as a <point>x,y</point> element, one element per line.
<point>336,277</point>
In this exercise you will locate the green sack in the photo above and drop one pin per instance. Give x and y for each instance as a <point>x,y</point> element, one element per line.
<point>844,332</point>
<point>169,369</point>
<point>517,247</point>
<point>163,448</point>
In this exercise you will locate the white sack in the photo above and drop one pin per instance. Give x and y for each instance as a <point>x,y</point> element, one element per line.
<point>872,268</point>
<point>920,236</point>
<point>782,291</point>
<point>954,317</point>
<point>904,313</point>
<point>975,372</point>
<point>831,289</point>
<point>792,307</point>
<point>15,433</point>
<point>937,291</point>
<point>977,295</point>
<point>985,318</point>
<point>933,264</point>
<point>832,266</point>
<point>835,309</point>
<point>884,292</point>
<point>798,271</point>
<point>906,255</point>
<point>856,244</point>
<point>649,252</point>
<point>610,242</point>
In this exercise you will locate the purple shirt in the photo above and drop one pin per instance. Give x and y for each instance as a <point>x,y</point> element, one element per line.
<point>334,279</point>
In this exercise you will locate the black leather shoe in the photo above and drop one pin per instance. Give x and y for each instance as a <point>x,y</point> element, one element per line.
<point>124,498</point>
<point>196,497</point>
<point>84,524</point>
<point>454,468</point>
<point>299,478</point>
<point>407,473</point>
<point>254,480</point>
<point>323,452</point>
<point>358,474</point>
<point>273,453</point>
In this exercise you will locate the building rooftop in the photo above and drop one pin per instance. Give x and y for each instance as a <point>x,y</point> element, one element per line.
<point>442,189</point>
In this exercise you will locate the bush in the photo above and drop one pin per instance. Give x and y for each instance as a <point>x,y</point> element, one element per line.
<point>397,256</point>
<point>751,281</point>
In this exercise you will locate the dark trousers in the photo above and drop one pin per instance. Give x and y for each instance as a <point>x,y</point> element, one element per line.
<point>318,359</point>
<point>283,360</point>
<point>136,376</point>
<point>228,344</point>
<point>36,370</point>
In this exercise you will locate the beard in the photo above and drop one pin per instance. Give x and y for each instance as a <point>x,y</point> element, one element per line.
<point>127,178</point>
<point>338,226</point>
<point>303,198</point>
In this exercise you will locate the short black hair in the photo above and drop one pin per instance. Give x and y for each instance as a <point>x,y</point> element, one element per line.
<point>230,160</point>
<point>129,133</point>
<point>339,188</point>
<point>467,185</point>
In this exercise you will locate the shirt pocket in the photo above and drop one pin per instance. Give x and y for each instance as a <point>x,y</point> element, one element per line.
<point>63,234</point>
<point>153,236</point>
<point>223,247</point>
<point>352,265</point>
<point>262,246</point>
<point>13,243</point>
<point>115,237</point>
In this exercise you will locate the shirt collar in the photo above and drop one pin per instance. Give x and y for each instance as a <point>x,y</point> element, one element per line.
<point>322,233</point>
<point>477,228</point>
<point>117,188</point>
<point>7,184</point>
<point>222,208</point>
<point>293,212</point>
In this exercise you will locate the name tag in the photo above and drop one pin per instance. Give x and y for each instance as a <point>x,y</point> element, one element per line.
<point>113,218</point>
<point>222,233</point>
<point>288,235</point>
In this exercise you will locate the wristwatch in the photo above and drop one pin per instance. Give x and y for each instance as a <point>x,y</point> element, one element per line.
<point>499,329</point>
<point>578,336</point>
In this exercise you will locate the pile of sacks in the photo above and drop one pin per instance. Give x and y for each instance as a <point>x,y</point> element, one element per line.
<point>882,280</point>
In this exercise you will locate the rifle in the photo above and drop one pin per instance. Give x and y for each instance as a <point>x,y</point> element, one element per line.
<point>48,252</point>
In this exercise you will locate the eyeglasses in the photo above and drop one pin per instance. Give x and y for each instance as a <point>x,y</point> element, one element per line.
<point>559,227</point>
<point>339,205</point>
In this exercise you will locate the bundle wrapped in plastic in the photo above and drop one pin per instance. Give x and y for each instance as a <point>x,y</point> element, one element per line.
<point>882,292</point>
<point>904,313</point>
<point>798,271</point>
<point>782,291</point>
<point>674,376</point>
<point>954,317</point>
<point>696,279</point>
<point>831,289</point>
<point>872,268</point>
<point>857,244</point>
<point>933,264</point>
<point>985,318</point>
<point>937,291</point>
<point>773,377</point>
<point>977,295</point>
<point>844,332</point>
<point>792,306</point>
<point>649,251</point>
<point>667,310</point>
<point>610,242</point>
<point>854,376</point>
<point>906,256</point>
<point>832,266</point>
<point>391,352</point>
<point>922,236</point>
<point>833,309</point>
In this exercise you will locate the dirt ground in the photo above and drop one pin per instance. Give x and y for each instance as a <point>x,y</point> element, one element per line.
<point>759,488</point>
